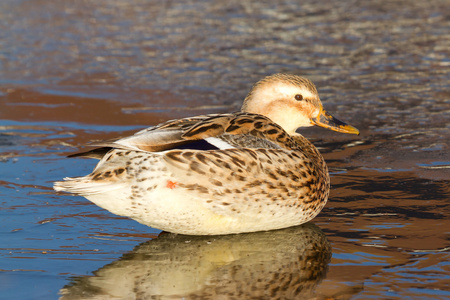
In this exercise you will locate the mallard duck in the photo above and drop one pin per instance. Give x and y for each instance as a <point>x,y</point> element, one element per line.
<point>220,173</point>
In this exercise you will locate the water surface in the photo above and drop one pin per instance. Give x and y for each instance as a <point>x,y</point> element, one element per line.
<point>72,72</point>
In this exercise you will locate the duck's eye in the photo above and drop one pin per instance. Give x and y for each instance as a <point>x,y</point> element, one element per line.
<point>298,97</point>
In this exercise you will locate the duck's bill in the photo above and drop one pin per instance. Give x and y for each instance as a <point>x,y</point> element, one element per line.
<point>328,121</point>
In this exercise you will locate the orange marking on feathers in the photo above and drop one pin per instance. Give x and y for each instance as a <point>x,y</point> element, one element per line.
<point>171,185</point>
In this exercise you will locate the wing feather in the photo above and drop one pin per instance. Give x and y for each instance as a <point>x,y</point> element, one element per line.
<point>239,130</point>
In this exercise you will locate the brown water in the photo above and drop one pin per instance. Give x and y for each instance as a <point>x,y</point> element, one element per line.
<point>75,71</point>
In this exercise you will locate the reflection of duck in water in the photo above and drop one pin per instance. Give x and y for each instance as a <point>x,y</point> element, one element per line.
<point>256,173</point>
<point>281,264</point>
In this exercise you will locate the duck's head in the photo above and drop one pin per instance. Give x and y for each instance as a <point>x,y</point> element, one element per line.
<point>291,101</point>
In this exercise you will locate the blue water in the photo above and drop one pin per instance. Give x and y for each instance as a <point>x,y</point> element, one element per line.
<point>75,72</point>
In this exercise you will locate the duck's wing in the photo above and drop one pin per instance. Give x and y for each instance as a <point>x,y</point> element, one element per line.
<point>207,132</point>
<point>161,137</point>
<point>241,130</point>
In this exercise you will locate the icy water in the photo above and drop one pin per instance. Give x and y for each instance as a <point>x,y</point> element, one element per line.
<point>76,71</point>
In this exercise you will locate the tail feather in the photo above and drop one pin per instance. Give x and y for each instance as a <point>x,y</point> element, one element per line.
<point>85,186</point>
<point>97,153</point>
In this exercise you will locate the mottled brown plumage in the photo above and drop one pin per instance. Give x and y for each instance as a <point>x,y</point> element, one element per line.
<point>256,173</point>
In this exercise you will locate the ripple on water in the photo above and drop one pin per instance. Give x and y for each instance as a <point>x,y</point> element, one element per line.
<point>73,72</point>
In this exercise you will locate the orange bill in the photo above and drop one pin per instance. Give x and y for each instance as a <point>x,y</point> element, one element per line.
<point>328,121</point>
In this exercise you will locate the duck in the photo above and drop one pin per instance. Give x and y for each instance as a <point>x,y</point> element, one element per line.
<point>219,174</point>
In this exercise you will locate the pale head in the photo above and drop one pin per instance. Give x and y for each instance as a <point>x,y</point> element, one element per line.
<point>290,101</point>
